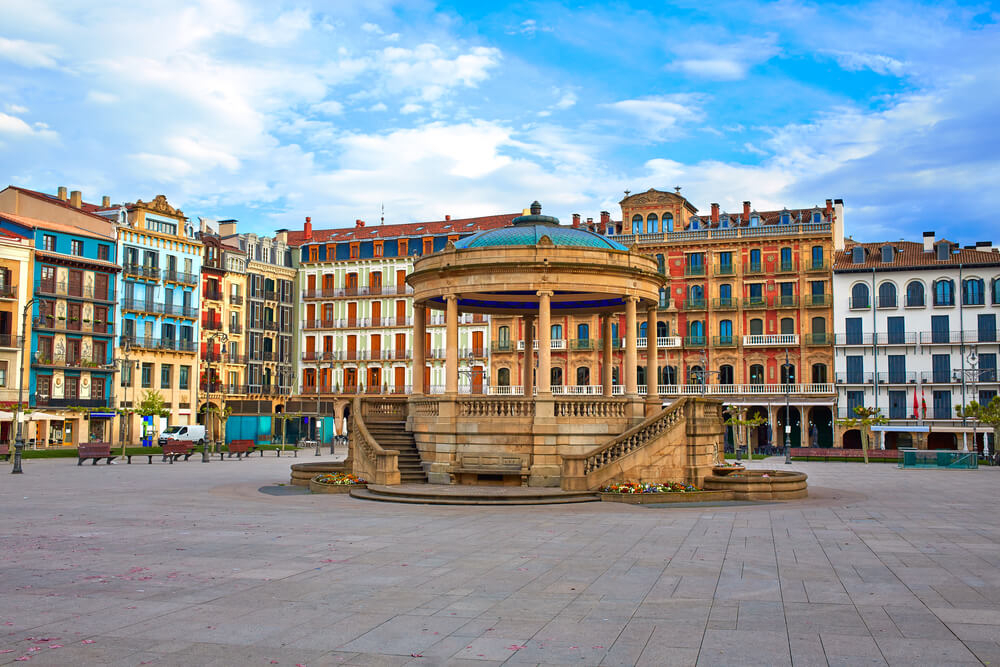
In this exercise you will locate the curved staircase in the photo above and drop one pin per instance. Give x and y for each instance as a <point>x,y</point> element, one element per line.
<point>393,435</point>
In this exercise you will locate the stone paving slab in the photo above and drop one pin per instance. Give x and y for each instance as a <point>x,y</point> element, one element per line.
<point>197,564</point>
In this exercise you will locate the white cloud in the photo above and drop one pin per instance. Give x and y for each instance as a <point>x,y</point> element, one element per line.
<point>378,106</point>
<point>661,113</point>
<point>329,108</point>
<point>372,28</point>
<point>284,30</point>
<point>428,73</point>
<point>16,108</point>
<point>727,60</point>
<point>880,64</point>
<point>15,127</point>
<point>566,101</point>
<point>410,108</point>
<point>101,97</point>
<point>29,54</point>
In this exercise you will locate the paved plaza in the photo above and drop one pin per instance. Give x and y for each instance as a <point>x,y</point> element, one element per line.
<point>195,564</point>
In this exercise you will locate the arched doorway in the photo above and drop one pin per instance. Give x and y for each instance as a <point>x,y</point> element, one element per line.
<point>821,419</point>
<point>852,439</point>
<point>795,420</point>
<point>759,434</point>
<point>941,440</point>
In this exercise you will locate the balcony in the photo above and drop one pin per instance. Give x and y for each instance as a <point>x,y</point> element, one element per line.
<point>71,361</point>
<point>725,270</point>
<point>661,342</point>
<point>955,337</point>
<point>851,339</point>
<point>52,323</point>
<point>953,376</point>
<point>161,344</point>
<point>807,229</point>
<point>819,339</point>
<point>724,303</point>
<point>694,341</point>
<point>812,389</point>
<point>855,378</point>
<point>582,344</point>
<point>554,344</point>
<point>694,304</point>
<point>863,303</point>
<point>9,341</point>
<point>235,328</point>
<point>755,302</point>
<point>915,301</point>
<point>897,377</point>
<point>180,277</point>
<point>694,270</point>
<point>211,294</point>
<point>723,341</point>
<point>338,292</point>
<point>210,324</point>
<point>73,291</point>
<point>318,324</point>
<point>268,325</point>
<point>818,300</point>
<point>141,271</point>
<point>8,291</point>
<point>503,346</point>
<point>178,310</point>
<point>69,402</point>
<point>770,340</point>
<point>786,301</point>
<point>814,266</point>
<point>751,268</point>
<point>897,338</point>
<point>236,299</point>
<point>664,304</point>
<point>886,303</point>
<point>788,267</point>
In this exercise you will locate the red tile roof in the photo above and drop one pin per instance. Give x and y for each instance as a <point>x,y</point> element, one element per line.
<point>57,227</point>
<point>85,207</point>
<point>410,229</point>
<point>911,255</point>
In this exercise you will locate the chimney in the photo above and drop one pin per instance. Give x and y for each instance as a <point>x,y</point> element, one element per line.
<point>984,245</point>
<point>105,202</point>
<point>838,224</point>
<point>281,235</point>
<point>307,229</point>
<point>62,193</point>
<point>447,218</point>
<point>605,218</point>
<point>576,219</point>
<point>746,212</point>
<point>227,227</point>
<point>829,208</point>
<point>76,199</point>
<point>590,223</point>
<point>928,241</point>
<point>359,223</point>
<point>715,214</point>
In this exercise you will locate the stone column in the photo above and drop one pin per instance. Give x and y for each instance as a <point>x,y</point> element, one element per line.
<point>631,355</point>
<point>528,381</point>
<point>544,342</point>
<point>451,346</point>
<point>419,339</point>
<point>607,377</point>
<point>652,356</point>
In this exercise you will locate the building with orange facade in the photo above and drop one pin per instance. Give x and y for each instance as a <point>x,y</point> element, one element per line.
<point>744,290</point>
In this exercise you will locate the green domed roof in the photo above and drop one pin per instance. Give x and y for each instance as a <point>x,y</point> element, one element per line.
<point>529,229</point>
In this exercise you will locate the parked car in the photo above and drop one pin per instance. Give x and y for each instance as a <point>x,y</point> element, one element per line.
<point>190,433</point>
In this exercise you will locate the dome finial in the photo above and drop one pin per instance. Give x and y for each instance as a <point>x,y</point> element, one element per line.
<point>536,208</point>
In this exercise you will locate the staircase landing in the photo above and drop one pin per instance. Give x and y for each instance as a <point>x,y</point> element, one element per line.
<point>452,494</point>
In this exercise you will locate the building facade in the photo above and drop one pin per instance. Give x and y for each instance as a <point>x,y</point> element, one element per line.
<point>356,313</point>
<point>916,336</point>
<point>742,291</point>
<point>16,289</point>
<point>158,324</point>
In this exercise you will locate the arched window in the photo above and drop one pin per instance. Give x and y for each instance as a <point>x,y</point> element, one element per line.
<point>583,375</point>
<point>756,374</point>
<point>726,294</point>
<point>642,330</point>
<point>817,257</point>
<point>669,375</point>
<point>661,265</point>
<point>640,375</point>
<point>637,224</point>
<point>756,327</point>
<point>787,325</point>
<point>725,374</point>
<point>668,222</point>
<point>696,294</point>
<point>972,292</point>
<point>556,376</point>
<point>725,332</point>
<point>651,221</point>
<point>662,329</point>
<point>503,377</point>
<point>819,374</point>
<point>915,293</point>
<point>694,223</point>
<point>696,375</point>
<point>887,295</point>
<point>696,329</point>
<point>944,292</point>
<point>786,259</point>
<point>556,332</point>
<point>754,220</point>
<point>788,374</point>
<point>503,336</point>
<point>996,290</point>
<point>819,336</point>
<point>859,296</point>
<point>583,331</point>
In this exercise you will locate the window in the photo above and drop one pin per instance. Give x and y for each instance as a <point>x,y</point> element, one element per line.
<point>668,222</point>
<point>756,294</point>
<point>819,336</point>
<point>183,377</point>
<point>944,292</point>
<point>664,301</point>
<point>755,261</point>
<point>726,333</point>
<point>76,248</point>
<point>3,373</point>
<point>725,294</point>
<point>855,368</point>
<point>859,296</point>
<point>914,294</point>
<point>941,365</point>
<point>556,332</point>
<point>104,252</point>
<point>857,255</point>
<point>988,367</point>
<point>942,404</point>
<point>897,405</point>
<point>696,330</point>
<point>696,296</point>
<point>887,253</point>
<point>147,376</point>
<point>428,246</point>
<point>637,224</point>
<point>651,221</point>
<point>897,368</point>
<point>725,262</point>
<point>668,375</point>
<point>819,375</point>
<point>661,265</point>
<point>355,252</point>
<point>886,295</point>
<point>787,325</point>
<point>786,259</point>
<point>756,326</point>
<point>940,329</point>
<point>895,330</point>
<point>972,292</point>
<point>313,253</point>
<point>786,294</point>
<point>756,374</point>
<point>402,248</point>
<point>696,263</point>
<point>49,242</point>
<point>987,328</point>
<point>503,377</point>
<point>694,223</point>
<point>72,389</point>
<point>726,375</point>
<point>788,373</point>
<point>817,257</point>
<point>786,218</point>
<point>583,376</point>
<point>943,251</point>
<point>855,399</point>
<point>165,372</point>
<point>377,248</point>
<point>583,332</point>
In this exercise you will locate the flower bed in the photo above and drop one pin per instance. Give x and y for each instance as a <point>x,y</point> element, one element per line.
<point>727,467</point>
<point>336,482</point>
<point>644,493</point>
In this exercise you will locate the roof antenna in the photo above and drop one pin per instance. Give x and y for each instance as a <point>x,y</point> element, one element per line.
<point>677,189</point>
<point>383,213</point>
<point>628,192</point>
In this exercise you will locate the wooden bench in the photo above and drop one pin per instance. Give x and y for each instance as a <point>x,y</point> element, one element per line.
<point>5,451</point>
<point>95,451</point>
<point>241,447</point>
<point>839,453</point>
<point>490,468</point>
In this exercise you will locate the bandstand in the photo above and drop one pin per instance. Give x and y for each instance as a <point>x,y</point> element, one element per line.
<point>536,269</point>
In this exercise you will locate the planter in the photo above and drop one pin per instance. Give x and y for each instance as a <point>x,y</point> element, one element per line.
<point>722,471</point>
<point>671,497</point>
<point>760,484</point>
<point>319,487</point>
<point>303,472</point>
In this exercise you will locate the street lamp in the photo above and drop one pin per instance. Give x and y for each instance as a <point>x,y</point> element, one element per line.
<point>19,440</point>
<point>222,337</point>
<point>126,371</point>
<point>973,359</point>
<point>787,366</point>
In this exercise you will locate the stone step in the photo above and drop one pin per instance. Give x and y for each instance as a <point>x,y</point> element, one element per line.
<point>480,495</point>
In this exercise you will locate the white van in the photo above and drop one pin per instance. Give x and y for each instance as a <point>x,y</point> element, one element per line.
<point>190,433</point>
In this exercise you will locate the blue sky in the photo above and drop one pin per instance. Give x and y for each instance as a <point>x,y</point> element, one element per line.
<point>271,111</point>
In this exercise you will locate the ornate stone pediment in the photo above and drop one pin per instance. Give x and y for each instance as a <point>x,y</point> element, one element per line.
<point>544,241</point>
<point>160,205</point>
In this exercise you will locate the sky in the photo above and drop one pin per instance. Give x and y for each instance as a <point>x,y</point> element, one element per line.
<point>270,111</point>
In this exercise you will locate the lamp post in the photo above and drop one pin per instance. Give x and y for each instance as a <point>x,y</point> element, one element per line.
<point>333,439</point>
<point>973,359</point>
<point>787,366</point>
<point>19,440</point>
<point>222,337</point>
<point>126,370</point>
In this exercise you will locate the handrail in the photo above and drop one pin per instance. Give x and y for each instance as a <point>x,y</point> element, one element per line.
<point>581,465</point>
<point>384,463</point>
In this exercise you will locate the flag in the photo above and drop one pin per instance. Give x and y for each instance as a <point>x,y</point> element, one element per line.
<point>915,409</point>
<point>923,403</point>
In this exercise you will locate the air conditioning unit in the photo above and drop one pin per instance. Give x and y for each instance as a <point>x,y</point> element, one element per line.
<point>912,381</point>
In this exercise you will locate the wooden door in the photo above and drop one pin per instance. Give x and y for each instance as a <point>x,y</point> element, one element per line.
<point>327,314</point>
<point>101,287</point>
<point>400,282</point>
<point>350,380</point>
<point>400,351</point>
<point>427,379</point>
<point>376,346</point>
<point>400,313</point>
<point>477,379</point>
<point>375,282</point>
<point>477,344</point>
<point>311,313</point>
<point>399,380</point>
<point>352,283</point>
<point>310,347</point>
<point>352,314</point>
<point>376,313</point>
<point>311,285</point>
<point>428,352</point>
<point>352,347</point>
<point>374,379</point>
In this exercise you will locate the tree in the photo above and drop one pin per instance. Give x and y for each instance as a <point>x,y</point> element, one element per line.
<point>864,419</point>
<point>988,414</point>
<point>222,415</point>
<point>153,405</point>
<point>738,420</point>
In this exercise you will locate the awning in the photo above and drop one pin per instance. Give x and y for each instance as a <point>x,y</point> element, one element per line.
<point>6,416</point>
<point>41,417</point>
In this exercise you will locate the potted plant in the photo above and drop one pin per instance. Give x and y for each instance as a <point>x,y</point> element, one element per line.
<point>726,467</point>
<point>644,493</point>
<point>336,482</point>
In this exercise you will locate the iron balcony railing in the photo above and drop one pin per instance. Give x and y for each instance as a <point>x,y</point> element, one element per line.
<point>819,339</point>
<point>897,377</point>
<point>141,271</point>
<point>694,270</point>
<point>723,341</point>
<point>53,323</point>
<point>174,276</point>
<point>211,294</point>
<point>166,344</point>
<point>724,303</point>
<point>74,290</point>
<point>817,300</point>
<point>694,304</point>
<point>773,340</point>
<point>755,302</point>
<point>786,301</point>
